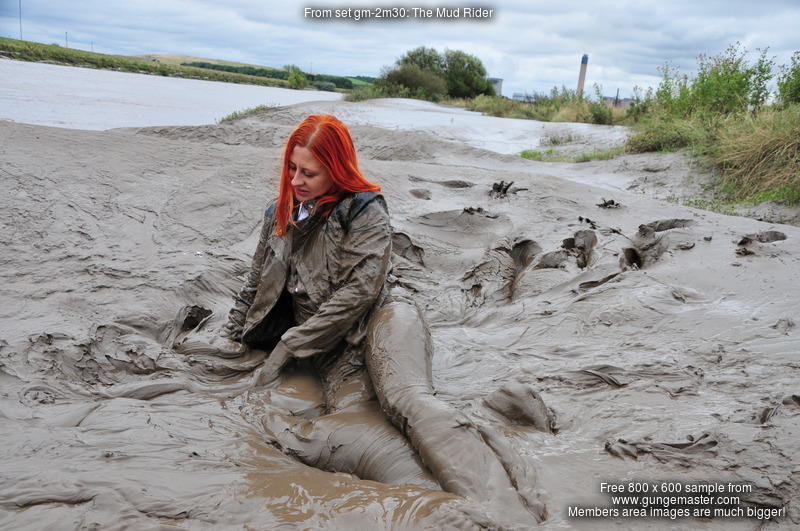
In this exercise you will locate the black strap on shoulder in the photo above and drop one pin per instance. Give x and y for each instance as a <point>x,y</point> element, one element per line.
<point>349,209</point>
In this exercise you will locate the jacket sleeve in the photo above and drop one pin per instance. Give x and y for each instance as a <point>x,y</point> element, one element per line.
<point>245,297</point>
<point>365,255</point>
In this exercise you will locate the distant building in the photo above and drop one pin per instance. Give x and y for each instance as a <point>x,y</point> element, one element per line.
<point>497,83</point>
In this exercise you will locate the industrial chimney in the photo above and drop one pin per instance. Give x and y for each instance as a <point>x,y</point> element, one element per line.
<point>582,77</point>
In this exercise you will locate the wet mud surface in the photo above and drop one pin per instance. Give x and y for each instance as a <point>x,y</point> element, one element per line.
<point>583,341</point>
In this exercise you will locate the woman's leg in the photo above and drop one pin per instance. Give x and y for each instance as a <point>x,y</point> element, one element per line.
<point>398,356</point>
<point>354,435</point>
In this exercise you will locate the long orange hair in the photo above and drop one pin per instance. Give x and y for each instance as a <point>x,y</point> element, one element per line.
<point>330,142</point>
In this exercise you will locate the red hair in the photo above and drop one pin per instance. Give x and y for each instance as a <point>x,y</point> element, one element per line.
<point>330,142</point>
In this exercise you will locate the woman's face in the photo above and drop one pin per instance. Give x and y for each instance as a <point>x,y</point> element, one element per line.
<point>310,179</point>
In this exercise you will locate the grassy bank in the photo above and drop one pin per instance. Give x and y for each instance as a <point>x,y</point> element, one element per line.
<point>725,117</point>
<point>561,105</point>
<point>50,53</point>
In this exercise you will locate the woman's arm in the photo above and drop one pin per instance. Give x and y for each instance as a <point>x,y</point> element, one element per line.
<point>238,314</point>
<point>365,256</point>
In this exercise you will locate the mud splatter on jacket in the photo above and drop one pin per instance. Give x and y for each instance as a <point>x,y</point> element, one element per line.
<point>338,266</point>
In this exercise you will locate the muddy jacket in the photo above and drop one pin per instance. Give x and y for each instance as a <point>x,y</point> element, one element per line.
<point>341,263</point>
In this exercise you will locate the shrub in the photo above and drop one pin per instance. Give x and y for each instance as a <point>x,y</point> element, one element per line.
<point>599,111</point>
<point>761,153</point>
<point>325,85</point>
<point>235,115</point>
<point>465,75</point>
<point>429,84</point>
<point>425,58</point>
<point>367,92</point>
<point>726,83</point>
<point>641,103</point>
<point>427,74</point>
<point>672,94</point>
<point>664,133</point>
<point>789,82</point>
<point>296,78</point>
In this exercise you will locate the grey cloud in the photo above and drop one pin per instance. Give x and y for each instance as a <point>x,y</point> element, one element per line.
<point>533,46</point>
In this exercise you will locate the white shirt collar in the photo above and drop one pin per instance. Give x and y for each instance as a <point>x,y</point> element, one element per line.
<point>302,212</point>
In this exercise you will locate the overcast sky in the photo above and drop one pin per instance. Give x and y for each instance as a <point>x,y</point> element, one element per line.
<point>532,45</point>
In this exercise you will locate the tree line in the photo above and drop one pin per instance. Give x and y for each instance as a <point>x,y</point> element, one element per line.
<point>291,73</point>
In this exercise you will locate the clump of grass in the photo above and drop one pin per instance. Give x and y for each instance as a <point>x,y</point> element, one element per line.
<point>663,133</point>
<point>562,105</point>
<point>549,155</point>
<point>235,115</point>
<point>600,154</point>
<point>364,93</point>
<point>552,155</point>
<point>496,106</point>
<point>719,205</point>
<point>760,155</point>
<point>559,139</point>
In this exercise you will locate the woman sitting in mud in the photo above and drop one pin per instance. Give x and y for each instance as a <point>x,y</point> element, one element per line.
<point>318,270</point>
<point>317,294</point>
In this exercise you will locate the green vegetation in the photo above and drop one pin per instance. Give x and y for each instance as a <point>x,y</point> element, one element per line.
<point>789,82</point>
<point>176,66</point>
<point>553,155</point>
<point>600,154</point>
<point>426,74</point>
<point>759,155</point>
<point>548,155</point>
<point>296,78</point>
<point>31,51</point>
<point>560,105</point>
<point>727,116</point>
<point>292,74</point>
<point>235,115</point>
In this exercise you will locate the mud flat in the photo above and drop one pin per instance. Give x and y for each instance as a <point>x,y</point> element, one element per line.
<point>663,340</point>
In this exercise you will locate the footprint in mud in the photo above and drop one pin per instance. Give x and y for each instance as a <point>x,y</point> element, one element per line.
<point>647,245</point>
<point>768,236</point>
<point>609,203</point>
<point>747,245</point>
<point>496,275</point>
<point>522,255</point>
<point>579,247</point>
<point>684,453</point>
<point>766,414</point>
<point>471,245</point>
<point>502,189</point>
<point>468,228</point>
<point>791,400</point>
<point>452,183</point>
<point>455,184</point>
<point>667,224</point>
<point>421,193</point>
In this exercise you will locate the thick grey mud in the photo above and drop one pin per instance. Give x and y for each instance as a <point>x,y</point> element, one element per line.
<point>576,342</point>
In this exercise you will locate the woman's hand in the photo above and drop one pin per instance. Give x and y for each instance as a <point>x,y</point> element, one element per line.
<point>271,370</point>
<point>208,343</point>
